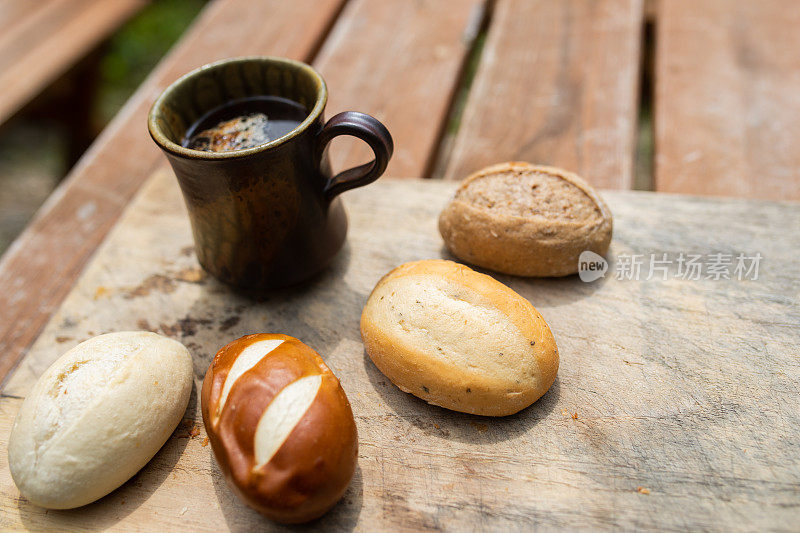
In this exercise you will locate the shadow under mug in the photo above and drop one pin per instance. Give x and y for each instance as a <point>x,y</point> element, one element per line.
<point>267,216</point>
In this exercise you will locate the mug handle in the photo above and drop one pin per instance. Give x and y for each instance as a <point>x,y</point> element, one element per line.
<point>369,130</point>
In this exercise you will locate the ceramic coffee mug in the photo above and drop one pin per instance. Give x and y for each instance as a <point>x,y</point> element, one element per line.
<point>267,216</point>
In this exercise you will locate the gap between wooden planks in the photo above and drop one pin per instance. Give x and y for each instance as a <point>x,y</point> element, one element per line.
<point>557,84</point>
<point>399,61</point>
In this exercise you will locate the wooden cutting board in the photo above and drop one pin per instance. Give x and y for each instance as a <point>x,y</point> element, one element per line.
<point>677,403</point>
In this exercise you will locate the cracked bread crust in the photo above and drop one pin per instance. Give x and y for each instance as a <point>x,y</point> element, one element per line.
<point>525,220</point>
<point>458,339</point>
<point>97,415</point>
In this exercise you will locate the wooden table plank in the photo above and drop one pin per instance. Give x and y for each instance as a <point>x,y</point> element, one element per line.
<point>40,267</point>
<point>688,389</point>
<point>43,45</point>
<point>557,84</point>
<point>399,61</point>
<point>14,14</point>
<point>727,101</point>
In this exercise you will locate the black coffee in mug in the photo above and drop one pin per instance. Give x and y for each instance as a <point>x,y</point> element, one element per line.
<point>244,123</point>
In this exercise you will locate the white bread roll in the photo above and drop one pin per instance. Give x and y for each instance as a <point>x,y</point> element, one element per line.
<point>97,416</point>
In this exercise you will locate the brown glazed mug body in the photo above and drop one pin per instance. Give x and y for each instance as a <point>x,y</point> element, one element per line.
<point>267,216</point>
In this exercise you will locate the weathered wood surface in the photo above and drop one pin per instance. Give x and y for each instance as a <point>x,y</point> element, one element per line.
<point>38,270</point>
<point>557,84</point>
<point>676,405</point>
<point>399,61</point>
<point>39,41</point>
<point>727,100</point>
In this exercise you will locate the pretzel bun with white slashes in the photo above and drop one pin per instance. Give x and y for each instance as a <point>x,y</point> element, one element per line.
<point>280,426</point>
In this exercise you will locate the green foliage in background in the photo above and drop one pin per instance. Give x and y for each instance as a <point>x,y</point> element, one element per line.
<point>136,49</point>
<point>468,77</point>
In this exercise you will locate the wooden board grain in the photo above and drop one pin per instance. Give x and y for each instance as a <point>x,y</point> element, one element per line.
<point>676,405</point>
<point>727,98</point>
<point>42,40</point>
<point>400,62</point>
<point>42,264</point>
<point>557,84</point>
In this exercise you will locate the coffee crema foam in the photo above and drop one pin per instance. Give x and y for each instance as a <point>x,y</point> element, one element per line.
<point>240,133</point>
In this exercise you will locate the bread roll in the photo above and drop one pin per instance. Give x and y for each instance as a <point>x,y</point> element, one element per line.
<point>525,220</point>
<point>280,426</point>
<point>458,339</point>
<point>97,416</point>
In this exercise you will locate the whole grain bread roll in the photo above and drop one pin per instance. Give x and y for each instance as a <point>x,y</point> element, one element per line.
<point>525,220</point>
<point>458,339</point>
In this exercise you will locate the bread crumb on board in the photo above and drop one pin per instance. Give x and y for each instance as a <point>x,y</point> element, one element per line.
<point>642,490</point>
<point>205,442</point>
<point>192,430</point>
<point>100,292</point>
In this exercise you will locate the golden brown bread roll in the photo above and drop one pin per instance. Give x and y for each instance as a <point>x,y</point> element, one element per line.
<point>458,339</point>
<point>280,426</point>
<point>525,220</point>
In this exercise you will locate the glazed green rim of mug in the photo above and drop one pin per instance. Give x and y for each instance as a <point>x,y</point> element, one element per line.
<point>175,148</point>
